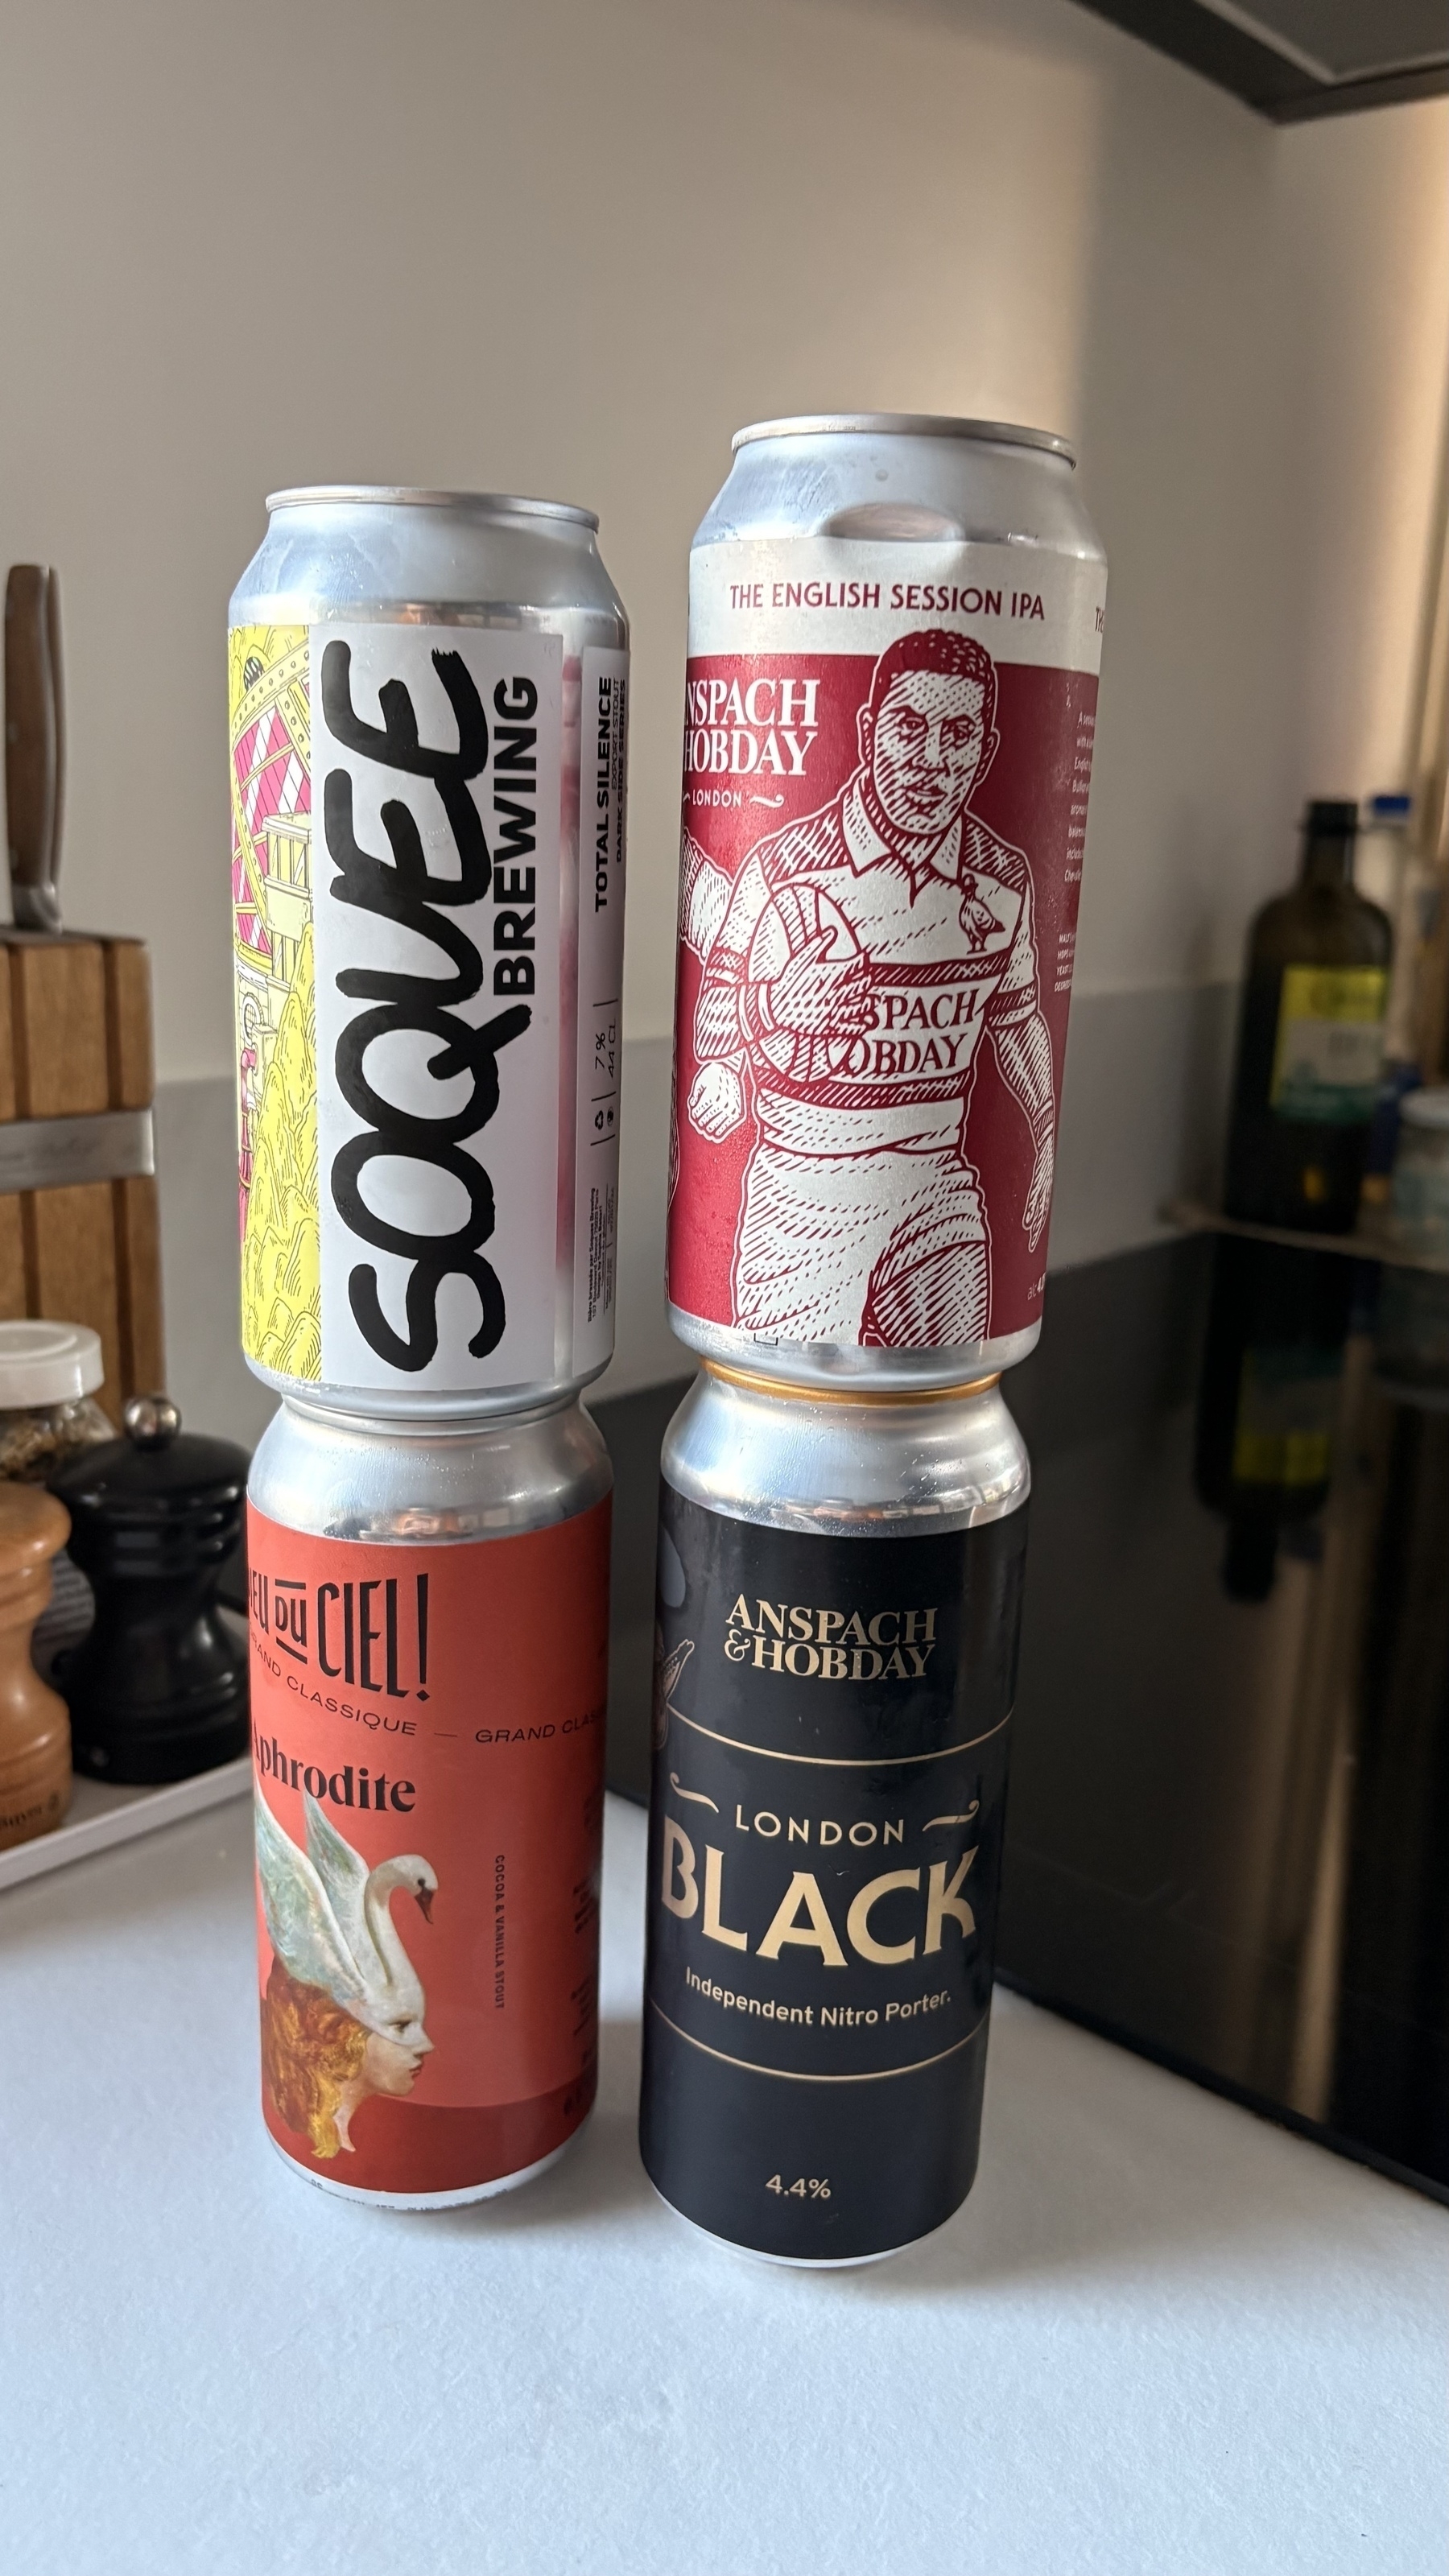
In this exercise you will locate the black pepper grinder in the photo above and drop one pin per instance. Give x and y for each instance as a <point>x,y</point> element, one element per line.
<point>158,1689</point>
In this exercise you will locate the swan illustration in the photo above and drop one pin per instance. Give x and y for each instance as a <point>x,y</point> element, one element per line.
<point>329,1920</point>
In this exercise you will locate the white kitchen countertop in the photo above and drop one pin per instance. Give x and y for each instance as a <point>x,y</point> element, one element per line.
<point>1161,2337</point>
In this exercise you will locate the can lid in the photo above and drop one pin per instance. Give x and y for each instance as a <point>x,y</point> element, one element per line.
<point>1426,1107</point>
<point>904,424</point>
<point>406,496</point>
<point>44,1363</point>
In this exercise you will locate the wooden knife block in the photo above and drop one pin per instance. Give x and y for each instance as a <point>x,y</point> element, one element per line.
<point>75,1037</point>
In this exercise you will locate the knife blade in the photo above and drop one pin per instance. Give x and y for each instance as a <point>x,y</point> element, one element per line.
<point>34,745</point>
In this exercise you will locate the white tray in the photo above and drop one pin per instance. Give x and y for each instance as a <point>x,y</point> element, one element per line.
<point>100,1816</point>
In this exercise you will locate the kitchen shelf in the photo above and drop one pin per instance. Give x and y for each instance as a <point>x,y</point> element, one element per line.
<point>100,1817</point>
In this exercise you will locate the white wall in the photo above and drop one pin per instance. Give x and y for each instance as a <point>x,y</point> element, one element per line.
<point>568,247</point>
<point>1366,284</point>
<point>1259,417</point>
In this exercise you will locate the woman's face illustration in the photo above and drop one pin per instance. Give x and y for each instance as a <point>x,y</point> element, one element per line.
<point>388,2066</point>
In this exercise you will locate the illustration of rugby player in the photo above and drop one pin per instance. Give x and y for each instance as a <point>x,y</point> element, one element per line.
<point>847,981</point>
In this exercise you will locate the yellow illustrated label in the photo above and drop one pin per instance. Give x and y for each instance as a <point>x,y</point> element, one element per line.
<point>271,879</point>
<point>1330,1050</point>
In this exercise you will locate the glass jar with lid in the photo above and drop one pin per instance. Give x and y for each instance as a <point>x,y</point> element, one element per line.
<point>48,1377</point>
<point>48,1414</point>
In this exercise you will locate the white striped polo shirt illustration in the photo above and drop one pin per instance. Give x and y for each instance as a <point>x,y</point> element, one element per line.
<point>848,976</point>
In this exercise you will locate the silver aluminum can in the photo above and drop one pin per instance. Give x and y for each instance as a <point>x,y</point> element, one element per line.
<point>838,1612</point>
<point>429,1658</point>
<point>428,696</point>
<point>895,630</point>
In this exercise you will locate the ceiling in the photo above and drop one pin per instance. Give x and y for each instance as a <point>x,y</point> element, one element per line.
<point>1298,58</point>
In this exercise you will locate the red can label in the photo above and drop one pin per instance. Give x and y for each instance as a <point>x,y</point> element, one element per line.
<point>428,1741</point>
<point>887,756</point>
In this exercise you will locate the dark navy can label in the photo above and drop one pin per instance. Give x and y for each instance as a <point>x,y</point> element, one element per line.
<point>831,1729</point>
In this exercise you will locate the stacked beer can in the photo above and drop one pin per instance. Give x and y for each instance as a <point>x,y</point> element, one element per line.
<point>895,629</point>
<point>428,705</point>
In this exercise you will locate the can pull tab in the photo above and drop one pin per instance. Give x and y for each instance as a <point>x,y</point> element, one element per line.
<point>34,744</point>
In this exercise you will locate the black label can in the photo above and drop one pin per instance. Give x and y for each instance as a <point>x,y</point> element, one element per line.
<point>832,1725</point>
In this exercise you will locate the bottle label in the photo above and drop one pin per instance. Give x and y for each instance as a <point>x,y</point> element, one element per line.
<point>887,755</point>
<point>1330,1052</point>
<point>428,1741</point>
<point>408,1000</point>
<point>831,1735</point>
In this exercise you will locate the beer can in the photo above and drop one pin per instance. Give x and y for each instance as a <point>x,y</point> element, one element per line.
<point>895,626</point>
<point>429,1654</point>
<point>839,1604</point>
<point>428,699</point>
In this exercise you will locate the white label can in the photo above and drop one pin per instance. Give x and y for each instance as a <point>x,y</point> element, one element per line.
<point>427,885</point>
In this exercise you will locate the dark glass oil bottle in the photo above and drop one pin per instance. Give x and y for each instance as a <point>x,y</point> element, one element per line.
<point>1310,1047</point>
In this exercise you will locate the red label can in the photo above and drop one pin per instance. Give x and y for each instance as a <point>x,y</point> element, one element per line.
<point>888,747</point>
<point>428,1742</point>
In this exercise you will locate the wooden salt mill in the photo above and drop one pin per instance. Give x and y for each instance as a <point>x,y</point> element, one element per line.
<point>35,1776</point>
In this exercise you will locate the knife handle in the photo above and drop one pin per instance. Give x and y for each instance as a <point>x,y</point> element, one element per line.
<point>34,744</point>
